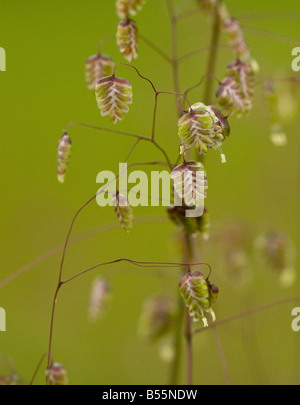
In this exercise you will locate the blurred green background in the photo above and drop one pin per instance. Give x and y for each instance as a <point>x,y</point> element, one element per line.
<point>47,44</point>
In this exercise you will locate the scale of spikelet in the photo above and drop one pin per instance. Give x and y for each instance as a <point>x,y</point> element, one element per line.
<point>126,7</point>
<point>202,126</point>
<point>190,182</point>
<point>123,211</point>
<point>199,295</point>
<point>63,156</point>
<point>113,96</point>
<point>127,39</point>
<point>97,67</point>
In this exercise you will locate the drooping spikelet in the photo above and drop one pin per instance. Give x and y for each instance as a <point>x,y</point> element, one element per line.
<point>100,293</point>
<point>277,252</point>
<point>123,211</point>
<point>97,67</point>
<point>237,89</point>
<point>56,374</point>
<point>277,135</point>
<point>243,74</point>
<point>202,126</point>
<point>199,295</point>
<point>113,96</point>
<point>236,38</point>
<point>233,31</point>
<point>63,156</point>
<point>126,7</point>
<point>190,182</point>
<point>157,318</point>
<point>127,39</point>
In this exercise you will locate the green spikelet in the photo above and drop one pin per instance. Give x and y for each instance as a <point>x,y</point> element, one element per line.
<point>126,7</point>
<point>123,211</point>
<point>113,96</point>
<point>277,135</point>
<point>63,156</point>
<point>127,36</point>
<point>199,296</point>
<point>203,127</point>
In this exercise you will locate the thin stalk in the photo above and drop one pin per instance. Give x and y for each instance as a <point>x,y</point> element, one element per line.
<point>174,46</point>
<point>211,64</point>
<point>188,322</point>
<point>221,355</point>
<point>174,370</point>
<point>158,50</point>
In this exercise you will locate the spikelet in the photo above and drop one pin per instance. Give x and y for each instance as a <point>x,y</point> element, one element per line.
<point>127,39</point>
<point>63,156</point>
<point>277,135</point>
<point>277,252</point>
<point>190,225</point>
<point>56,374</point>
<point>237,89</point>
<point>97,67</point>
<point>236,38</point>
<point>12,379</point>
<point>126,7</point>
<point>203,127</point>
<point>8,375</point>
<point>233,32</point>
<point>113,96</point>
<point>157,318</point>
<point>123,211</point>
<point>190,182</point>
<point>100,293</point>
<point>243,74</point>
<point>199,295</point>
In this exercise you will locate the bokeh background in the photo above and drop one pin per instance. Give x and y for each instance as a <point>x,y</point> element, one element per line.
<point>47,44</point>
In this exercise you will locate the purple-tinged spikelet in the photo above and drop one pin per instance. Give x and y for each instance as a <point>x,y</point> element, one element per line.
<point>237,89</point>
<point>126,7</point>
<point>190,182</point>
<point>199,295</point>
<point>63,156</point>
<point>123,211</point>
<point>127,39</point>
<point>113,96</point>
<point>100,293</point>
<point>56,374</point>
<point>97,67</point>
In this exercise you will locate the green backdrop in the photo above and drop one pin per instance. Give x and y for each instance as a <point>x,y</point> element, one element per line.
<point>43,88</point>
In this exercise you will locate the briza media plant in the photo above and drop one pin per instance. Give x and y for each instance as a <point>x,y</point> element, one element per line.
<point>203,115</point>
